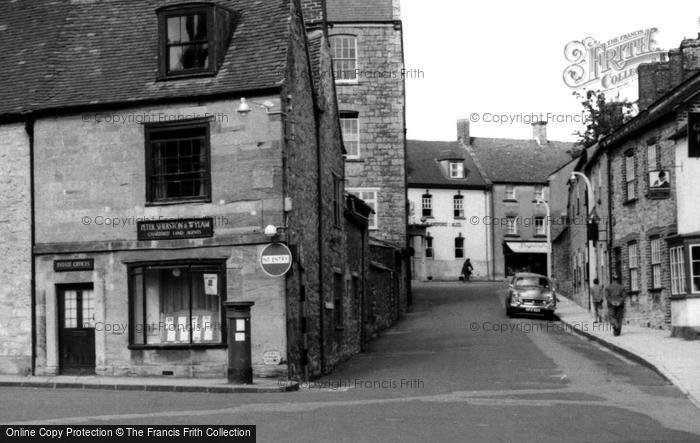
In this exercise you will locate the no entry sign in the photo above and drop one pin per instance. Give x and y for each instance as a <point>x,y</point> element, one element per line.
<point>276,259</point>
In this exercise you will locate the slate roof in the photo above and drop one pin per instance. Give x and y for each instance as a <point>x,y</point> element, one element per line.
<point>360,11</point>
<point>63,53</point>
<point>519,161</point>
<point>424,170</point>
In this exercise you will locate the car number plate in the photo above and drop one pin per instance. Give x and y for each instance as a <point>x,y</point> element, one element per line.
<point>532,309</point>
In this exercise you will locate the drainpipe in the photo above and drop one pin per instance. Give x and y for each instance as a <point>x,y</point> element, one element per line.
<point>610,219</point>
<point>29,128</point>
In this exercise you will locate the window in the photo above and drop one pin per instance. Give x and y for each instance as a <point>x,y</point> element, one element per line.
<point>695,267</point>
<point>677,270</point>
<point>458,203</point>
<point>539,192</point>
<point>510,192</point>
<point>456,170</point>
<point>429,253</point>
<point>511,226</point>
<point>344,54</point>
<point>178,162</point>
<point>633,258</point>
<point>369,196</point>
<point>459,247</point>
<point>655,262</point>
<point>427,201</point>
<point>630,176</point>
<point>350,126</point>
<point>651,157</point>
<point>539,226</point>
<point>337,200</point>
<point>176,304</point>
<point>338,286</point>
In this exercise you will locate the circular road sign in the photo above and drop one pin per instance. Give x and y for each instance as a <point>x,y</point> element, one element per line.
<point>276,259</point>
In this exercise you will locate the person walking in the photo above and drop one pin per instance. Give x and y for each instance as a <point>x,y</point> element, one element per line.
<point>597,298</point>
<point>615,295</point>
<point>467,269</point>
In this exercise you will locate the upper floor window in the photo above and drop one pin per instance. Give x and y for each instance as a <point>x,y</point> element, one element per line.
<point>456,170</point>
<point>510,192</point>
<point>539,192</point>
<point>511,226</point>
<point>427,202</point>
<point>458,202</point>
<point>370,197</point>
<point>344,54</point>
<point>350,126</point>
<point>630,176</point>
<point>178,162</point>
<point>539,226</point>
<point>651,157</point>
<point>193,38</point>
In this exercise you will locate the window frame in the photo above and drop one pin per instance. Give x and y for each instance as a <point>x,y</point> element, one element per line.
<point>347,81</point>
<point>539,192</point>
<point>539,222</point>
<point>163,45</point>
<point>427,205</point>
<point>219,264</point>
<point>373,221</point>
<point>429,247</point>
<point>511,225</point>
<point>149,128</point>
<point>633,266</point>
<point>457,248</point>
<point>630,176</point>
<point>511,193</point>
<point>348,116</point>
<point>690,268</point>
<point>677,265</point>
<point>456,170</point>
<point>652,165</point>
<point>458,206</point>
<point>655,262</point>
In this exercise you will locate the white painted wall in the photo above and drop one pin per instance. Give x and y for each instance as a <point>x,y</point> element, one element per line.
<point>687,176</point>
<point>477,235</point>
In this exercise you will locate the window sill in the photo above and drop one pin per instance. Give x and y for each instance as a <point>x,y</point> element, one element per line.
<point>347,82</point>
<point>512,235</point>
<point>185,76</point>
<point>178,202</point>
<point>656,289</point>
<point>658,196</point>
<point>630,201</point>
<point>510,200</point>
<point>540,236</point>
<point>460,218</point>
<point>354,160</point>
<point>178,347</point>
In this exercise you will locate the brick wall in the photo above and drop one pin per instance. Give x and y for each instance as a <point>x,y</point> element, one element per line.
<point>15,249</point>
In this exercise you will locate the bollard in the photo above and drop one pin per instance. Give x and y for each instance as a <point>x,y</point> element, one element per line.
<point>240,369</point>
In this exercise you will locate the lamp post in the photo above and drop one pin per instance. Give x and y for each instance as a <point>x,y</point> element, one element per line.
<point>549,236</point>
<point>589,246</point>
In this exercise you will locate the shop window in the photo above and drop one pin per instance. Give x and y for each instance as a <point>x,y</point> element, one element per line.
<point>677,270</point>
<point>176,304</point>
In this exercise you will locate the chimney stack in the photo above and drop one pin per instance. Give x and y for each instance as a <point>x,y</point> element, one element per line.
<point>539,132</point>
<point>314,12</point>
<point>463,131</point>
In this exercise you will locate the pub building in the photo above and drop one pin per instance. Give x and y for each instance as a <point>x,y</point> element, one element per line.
<point>156,163</point>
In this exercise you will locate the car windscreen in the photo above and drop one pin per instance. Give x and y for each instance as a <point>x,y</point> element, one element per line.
<point>531,281</point>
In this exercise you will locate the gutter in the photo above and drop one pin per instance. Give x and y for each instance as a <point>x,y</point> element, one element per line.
<point>29,128</point>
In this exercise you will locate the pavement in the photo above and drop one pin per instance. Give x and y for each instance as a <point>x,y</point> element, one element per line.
<point>675,359</point>
<point>212,385</point>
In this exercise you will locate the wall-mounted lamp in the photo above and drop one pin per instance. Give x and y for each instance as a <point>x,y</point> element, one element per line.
<point>272,230</point>
<point>244,107</point>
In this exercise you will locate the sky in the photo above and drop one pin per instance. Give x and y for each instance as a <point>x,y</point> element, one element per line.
<point>481,60</point>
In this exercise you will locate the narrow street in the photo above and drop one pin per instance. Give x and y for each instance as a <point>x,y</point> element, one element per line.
<point>455,369</point>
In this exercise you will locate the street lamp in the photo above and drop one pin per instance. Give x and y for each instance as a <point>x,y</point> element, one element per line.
<point>549,236</point>
<point>591,254</point>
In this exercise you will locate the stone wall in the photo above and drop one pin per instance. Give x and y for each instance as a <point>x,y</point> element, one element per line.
<point>15,249</point>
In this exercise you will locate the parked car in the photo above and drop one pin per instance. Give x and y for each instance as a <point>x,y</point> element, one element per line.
<point>530,293</point>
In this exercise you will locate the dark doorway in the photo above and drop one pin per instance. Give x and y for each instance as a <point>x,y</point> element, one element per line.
<point>519,262</point>
<point>76,317</point>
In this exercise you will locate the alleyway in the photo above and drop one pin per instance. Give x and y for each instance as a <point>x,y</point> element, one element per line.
<point>456,369</point>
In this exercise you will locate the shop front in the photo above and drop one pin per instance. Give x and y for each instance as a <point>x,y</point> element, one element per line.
<point>525,257</point>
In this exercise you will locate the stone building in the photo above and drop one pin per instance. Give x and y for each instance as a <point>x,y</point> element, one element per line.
<point>366,39</point>
<point>446,193</point>
<point>143,181</point>
<point>559,182</point>
<point>518,171</point>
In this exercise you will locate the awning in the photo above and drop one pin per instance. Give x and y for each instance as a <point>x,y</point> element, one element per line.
<point>528,247</point>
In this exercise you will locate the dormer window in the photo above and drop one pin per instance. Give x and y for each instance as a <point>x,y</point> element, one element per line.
<point>456,170</point>
<point>193,39</point>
